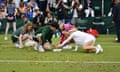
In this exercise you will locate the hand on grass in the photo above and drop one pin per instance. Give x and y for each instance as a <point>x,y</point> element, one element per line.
<point>56,46</point>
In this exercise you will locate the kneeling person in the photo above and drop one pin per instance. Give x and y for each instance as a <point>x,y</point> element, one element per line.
<point>22,35</point>
<point>84,39</point>
<point>44,35</point>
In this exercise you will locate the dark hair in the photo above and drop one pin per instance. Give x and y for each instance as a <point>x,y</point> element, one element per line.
<point>26,26</point>
<point>23,16</point>
<point>0,9</point>
<point>10,1</point>
<point>54,24</point>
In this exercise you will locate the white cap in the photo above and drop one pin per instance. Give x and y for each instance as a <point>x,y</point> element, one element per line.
<point>36,8</point>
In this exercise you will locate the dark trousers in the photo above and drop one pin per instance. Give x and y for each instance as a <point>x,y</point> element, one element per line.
<point>118,30</point>
<point>42,5</point>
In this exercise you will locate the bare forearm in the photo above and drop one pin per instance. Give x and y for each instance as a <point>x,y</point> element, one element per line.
<point>20,40</point>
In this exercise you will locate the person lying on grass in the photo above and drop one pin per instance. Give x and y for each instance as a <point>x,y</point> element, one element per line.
<point>81,38</point>
<point>23,35</point>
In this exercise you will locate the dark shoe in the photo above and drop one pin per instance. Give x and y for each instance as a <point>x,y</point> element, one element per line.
<point>118,41</point>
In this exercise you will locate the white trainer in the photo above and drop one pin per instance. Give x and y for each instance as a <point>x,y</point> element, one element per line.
<point>100,47</point>
<point>97,50</point>
<point>17,45</point>
<point>40,49</point>
<point>116,38</point>
<point>20,46</point>
<point>57,50</point>
<point>36,46</point>
<point>5,38</point>
<point>76,48</point>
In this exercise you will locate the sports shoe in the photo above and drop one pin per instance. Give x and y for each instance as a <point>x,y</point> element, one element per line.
<point>40,49</point>
<point>5,38</point>
<point>97,50</point>
<point>116,38</point>
<point>76,48</point>
<point>20,46</point>
<point>57,50</point>
<point>17,45</point>
<point>100,47</point>
<point>36,46</point>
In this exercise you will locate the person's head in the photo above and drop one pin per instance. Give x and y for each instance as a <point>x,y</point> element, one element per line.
<point>38,14</point>
<point>36,10</point>
<point>76,4</point>
<point>18,11</point>
<point>49,15</point>
<point>117,1</point>
<point>21,0</point>
<point>24,18</point>
<point>47,10</point>
<point>3,5</point>
<point>76,1</point>
<point>28,27</point>
<point>10,1</point>
<point>0,10</point>
<point>28,6</point>
<point>54,26</point>
<point>61,26</point>
<point>21,4</point>
<point>47,46</point>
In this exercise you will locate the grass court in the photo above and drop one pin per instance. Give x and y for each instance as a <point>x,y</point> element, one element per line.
<point>27,60</point>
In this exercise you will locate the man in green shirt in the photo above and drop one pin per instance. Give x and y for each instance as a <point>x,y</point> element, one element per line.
<point>44,34</point>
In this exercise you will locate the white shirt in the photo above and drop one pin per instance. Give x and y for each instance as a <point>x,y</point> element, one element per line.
<point>25,0</point>
<point>65,1</point>
<point>79,38</point>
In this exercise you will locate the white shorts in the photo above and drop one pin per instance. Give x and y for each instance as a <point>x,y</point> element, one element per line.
<point>90,38</point>
<point>29,43</point>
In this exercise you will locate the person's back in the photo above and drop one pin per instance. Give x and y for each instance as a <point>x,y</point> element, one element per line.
<point>79,37</point>
<point>18,32</point>
<point>44,28</point>
<point>86,40</point>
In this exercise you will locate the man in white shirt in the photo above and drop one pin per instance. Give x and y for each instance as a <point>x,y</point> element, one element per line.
<point>84,39</point>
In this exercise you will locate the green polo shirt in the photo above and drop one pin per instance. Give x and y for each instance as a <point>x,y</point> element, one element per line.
<point>18,32</point>
<point>46,34</point>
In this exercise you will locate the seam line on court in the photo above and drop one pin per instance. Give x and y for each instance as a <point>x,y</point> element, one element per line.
<point>38,61</point>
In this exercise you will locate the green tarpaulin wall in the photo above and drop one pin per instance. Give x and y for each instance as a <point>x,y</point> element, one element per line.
<point>100,23</point>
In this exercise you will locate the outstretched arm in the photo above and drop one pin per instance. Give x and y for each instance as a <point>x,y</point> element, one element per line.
<point>67,40</point>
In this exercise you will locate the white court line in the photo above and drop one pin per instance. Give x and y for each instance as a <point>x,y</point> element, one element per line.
<point>37,61</point>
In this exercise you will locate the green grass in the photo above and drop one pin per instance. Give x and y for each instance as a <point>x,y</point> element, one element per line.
<point>111,54</point>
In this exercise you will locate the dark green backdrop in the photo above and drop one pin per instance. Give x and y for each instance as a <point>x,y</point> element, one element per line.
<point>85,22</point>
